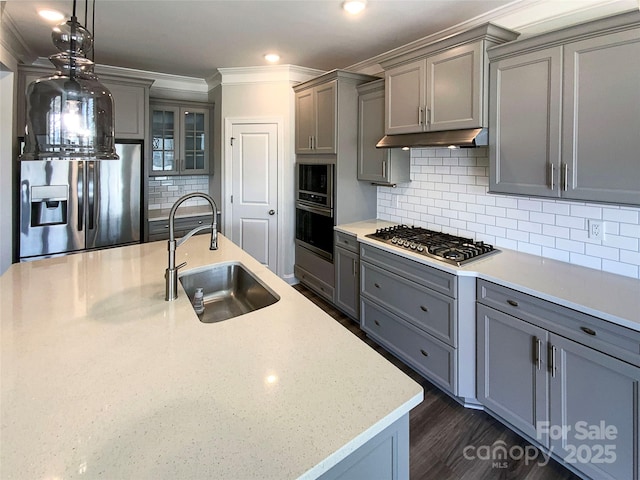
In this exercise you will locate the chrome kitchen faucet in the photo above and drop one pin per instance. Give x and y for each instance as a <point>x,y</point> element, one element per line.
<point>171,273</point>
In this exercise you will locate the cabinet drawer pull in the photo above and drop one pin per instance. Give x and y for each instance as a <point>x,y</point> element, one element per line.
<point>376,285</point>
<point>424,352</point>
<point>376,322</point>
<point>513,303</point>
<point>423,308</point>
<point>199,222</point>
<point>346,242</point>
<point>166,226</point>
<point>588,331</point>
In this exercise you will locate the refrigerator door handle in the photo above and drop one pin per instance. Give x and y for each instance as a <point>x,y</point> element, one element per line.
<point>92,194</point>
<point>80,196</point>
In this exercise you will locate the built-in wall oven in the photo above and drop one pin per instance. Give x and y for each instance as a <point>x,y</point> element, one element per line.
<point>314,208</point>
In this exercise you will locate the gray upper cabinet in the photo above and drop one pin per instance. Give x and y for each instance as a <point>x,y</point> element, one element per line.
<point>601,118</point>
<point>442,86</point>
<point>180,135</point>
<point>316,119</point>
<point>132,103</point>
<point>565,118</point>
<point>525,128</point>
<point>386,166</point>
<point>130,99</point>
<point>405,97</point>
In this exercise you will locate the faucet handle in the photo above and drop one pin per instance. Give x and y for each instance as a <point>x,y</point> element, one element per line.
<point>181,265</point>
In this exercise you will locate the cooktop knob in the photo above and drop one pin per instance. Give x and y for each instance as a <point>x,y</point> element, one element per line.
<point>406,243</point>
<point>420,248</point>
<point>413,246</point>
<point>394,240</point>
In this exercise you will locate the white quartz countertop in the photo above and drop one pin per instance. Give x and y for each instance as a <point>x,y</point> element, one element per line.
<point>614,298</point>
<point>101,377</point>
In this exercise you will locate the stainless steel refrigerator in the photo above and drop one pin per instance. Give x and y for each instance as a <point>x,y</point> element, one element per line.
<point>71,206</point>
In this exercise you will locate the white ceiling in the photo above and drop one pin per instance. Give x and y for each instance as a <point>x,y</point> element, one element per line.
<point>194,37</point>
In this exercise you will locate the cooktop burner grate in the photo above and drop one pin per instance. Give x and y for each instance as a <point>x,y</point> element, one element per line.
<point>442,246</point>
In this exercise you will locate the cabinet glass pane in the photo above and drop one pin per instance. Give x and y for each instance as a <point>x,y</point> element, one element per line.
<point>189,161</point>
<point>200,160</point>
<point>200,122</point>
<point>188,120</point>
<point>189,144</point>
<point>163,140</point>
<point>199,142</point>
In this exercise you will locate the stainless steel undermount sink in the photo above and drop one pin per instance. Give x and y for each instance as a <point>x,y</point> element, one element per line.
<point>230,290</point>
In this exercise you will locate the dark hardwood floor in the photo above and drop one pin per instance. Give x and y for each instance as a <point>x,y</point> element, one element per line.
<point>442,430</point>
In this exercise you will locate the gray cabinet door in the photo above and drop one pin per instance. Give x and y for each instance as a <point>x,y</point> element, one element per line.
<point>326,121</point>
<point>454,88</point>
<point>305,121</point>
<point>371,160</point>
<point>601,118</point>
<point>594,397</point>
<point>512,373</point>
<point>405,92</point>
<point>378,165</point>
<point>524,130</point>
<point>130,107</point>
<point>347,293</point>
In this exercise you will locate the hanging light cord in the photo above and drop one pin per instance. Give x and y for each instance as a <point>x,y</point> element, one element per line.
<point>93,26</point>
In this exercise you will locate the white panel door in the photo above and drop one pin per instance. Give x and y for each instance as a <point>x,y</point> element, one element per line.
<point>255,190</point>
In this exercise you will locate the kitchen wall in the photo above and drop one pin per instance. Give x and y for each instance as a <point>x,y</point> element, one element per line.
<point>448,192</point>
<point>165,191</point>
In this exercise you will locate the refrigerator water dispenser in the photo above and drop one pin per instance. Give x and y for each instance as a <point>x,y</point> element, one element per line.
<point>49,205</point>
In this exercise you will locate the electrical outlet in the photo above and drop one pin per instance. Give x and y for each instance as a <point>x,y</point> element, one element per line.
<point>596,229</point>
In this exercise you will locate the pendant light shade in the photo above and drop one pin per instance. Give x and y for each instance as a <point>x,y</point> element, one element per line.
<point>70,114</point>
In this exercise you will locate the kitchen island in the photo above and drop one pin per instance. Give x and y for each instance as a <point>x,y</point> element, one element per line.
<point>101,377</point>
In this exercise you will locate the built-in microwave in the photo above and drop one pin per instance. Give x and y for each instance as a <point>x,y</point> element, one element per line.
<point>314,184</point>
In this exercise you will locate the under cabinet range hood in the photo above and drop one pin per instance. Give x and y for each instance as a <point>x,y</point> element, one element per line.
<point>472,137</point>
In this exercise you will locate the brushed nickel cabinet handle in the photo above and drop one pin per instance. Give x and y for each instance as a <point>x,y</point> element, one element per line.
<point>384,169</point>
<point>552,360</point>
<point>419,115</point>
<point>552,169</point>
<point>513,303</point>
<point>355,267</point>
<point>376,285</point>
<point>565,176</point>
<point>588,331</point>
<point>423,308</point>
<point>537,356</point>
<point>424,352</point>
<point>376,322</point>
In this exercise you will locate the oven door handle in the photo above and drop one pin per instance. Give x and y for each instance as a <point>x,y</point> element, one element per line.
<point>327,212</point>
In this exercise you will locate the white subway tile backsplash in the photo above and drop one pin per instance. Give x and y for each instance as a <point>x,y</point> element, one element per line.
<point>164,191</point>
<point>449,193</point>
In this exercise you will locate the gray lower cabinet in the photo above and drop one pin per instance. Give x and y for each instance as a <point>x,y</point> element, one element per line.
<point>543,383</point>
<point>159,229</point>
<point>564,119</point>
<point>410,309</point>
<point>347,270</point>
<point>384,457</point>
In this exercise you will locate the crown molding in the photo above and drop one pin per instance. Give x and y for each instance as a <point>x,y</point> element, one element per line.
<point>12,41</point>
<point>372,64</point>
<point>261,74</point>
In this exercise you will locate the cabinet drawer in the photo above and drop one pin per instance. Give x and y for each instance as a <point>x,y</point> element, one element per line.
<point>310,280</point>
<point>609,338</point>
<point>431,311</point>
<point>430,277</point>
<point>347,241</point>
<point>427,355</point>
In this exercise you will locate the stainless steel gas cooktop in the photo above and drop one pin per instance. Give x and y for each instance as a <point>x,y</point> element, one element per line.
<point>441,246</point>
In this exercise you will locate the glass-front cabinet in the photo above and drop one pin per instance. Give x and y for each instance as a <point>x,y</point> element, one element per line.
<point>180,139</point>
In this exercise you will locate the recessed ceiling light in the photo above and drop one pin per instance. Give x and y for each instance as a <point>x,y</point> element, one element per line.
<point>272,57</point>
<point>354,6</point>
<point>51,15</point>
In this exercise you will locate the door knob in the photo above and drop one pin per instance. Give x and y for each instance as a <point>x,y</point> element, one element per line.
<point>272,212</point>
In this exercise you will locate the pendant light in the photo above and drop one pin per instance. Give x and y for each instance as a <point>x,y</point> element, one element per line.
<point>70,114</point>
